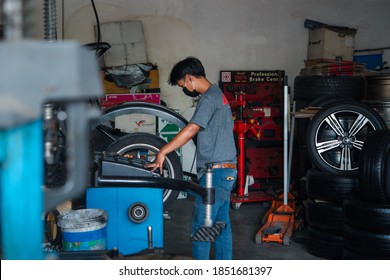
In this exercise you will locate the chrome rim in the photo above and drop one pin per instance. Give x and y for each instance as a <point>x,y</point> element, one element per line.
<point>340,137</point>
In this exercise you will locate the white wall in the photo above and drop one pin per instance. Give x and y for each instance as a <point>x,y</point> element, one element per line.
<point>229,34</point>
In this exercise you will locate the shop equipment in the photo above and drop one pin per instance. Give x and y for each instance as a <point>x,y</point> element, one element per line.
<point>132,197</point>
<point>281,216</point>
<point>241,128</point>
<point>209,231</point>
<point>32,80</point>
<point>255,97</point>
<point>135,214</point>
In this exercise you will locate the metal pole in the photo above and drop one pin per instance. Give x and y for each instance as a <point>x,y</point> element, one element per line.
<point>291,144</point>
<point>208,207</point>
<point>285,144</point>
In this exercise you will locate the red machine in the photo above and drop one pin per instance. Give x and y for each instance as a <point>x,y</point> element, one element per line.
<point>243,128</point>
<point>255,98</point>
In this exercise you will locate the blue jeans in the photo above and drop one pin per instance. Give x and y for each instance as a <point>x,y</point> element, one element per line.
<point>223,182</point>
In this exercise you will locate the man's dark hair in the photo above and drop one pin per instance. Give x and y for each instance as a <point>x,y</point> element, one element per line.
<point>190,65</point>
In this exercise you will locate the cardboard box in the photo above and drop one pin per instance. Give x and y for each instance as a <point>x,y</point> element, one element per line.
<point>153,79</point>
<point>111,87</point>
<point>331,67</point>
<point>152,82</point>
<point>331,43</point>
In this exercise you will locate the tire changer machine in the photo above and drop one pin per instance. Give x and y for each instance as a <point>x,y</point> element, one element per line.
<point>256,101</point>
<point>256,98</point>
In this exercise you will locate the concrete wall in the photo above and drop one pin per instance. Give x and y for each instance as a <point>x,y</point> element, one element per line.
<point>228,34</point>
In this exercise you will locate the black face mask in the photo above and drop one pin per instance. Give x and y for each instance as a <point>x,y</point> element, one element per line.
<point>192,94</point>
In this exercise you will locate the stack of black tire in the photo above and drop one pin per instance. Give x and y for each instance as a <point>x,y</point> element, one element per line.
<point>324,212</point>
<point>332,140</point>
<point>367,216</point>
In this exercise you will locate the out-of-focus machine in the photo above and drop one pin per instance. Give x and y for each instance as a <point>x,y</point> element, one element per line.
<point>38,75</point>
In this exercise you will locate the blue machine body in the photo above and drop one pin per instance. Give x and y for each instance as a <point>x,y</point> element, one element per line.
<point>123,233</point>
<point>21,192</point>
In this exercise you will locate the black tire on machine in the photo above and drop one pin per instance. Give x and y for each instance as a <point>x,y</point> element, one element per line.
<point>135,143</point>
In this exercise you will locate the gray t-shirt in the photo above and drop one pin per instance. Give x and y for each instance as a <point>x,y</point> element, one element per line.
<point>215,139</point>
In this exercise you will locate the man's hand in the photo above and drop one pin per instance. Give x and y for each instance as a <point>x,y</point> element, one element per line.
<point>187,133</point>
<point>158,163</point>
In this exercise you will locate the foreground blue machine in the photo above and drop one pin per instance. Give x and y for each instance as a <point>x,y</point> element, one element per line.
<point>21,194</point>
<point>132,197</point>
<point>25,87</point>
<point>135,217</point>
<point>135,214</point>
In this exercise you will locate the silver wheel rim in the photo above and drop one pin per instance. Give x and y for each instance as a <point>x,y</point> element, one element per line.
<point>340,137</point>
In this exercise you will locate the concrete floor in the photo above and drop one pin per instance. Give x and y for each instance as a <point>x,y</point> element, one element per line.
<point>246,221</point>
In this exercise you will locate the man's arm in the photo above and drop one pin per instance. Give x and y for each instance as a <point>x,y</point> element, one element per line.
<point>185,135</point>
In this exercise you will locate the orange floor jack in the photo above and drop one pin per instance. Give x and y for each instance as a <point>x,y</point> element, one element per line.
<point>281,216</point>
<point>280,222</point>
